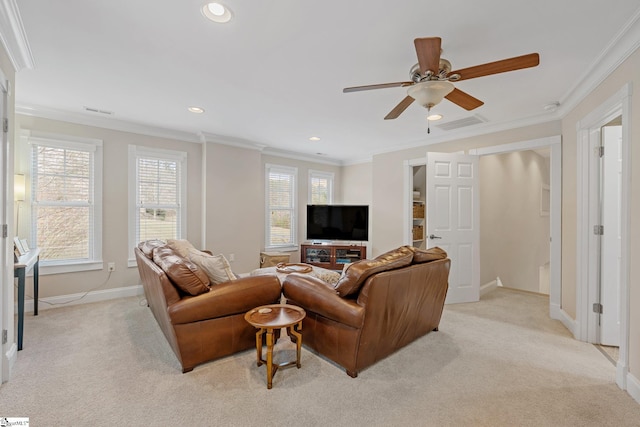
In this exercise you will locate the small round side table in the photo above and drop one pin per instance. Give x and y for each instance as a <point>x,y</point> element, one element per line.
<point>268,318</point>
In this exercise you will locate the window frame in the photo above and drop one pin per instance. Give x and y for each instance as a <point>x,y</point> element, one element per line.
<point>139,151</point>
<point>329,176</point>
<point>94,147</point>
<point>293,171</point>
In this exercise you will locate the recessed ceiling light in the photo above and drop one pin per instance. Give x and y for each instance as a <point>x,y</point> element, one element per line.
<point>196,110</point>
<point>217,12</point>
<point>314,138</point>
<point>434,117</point>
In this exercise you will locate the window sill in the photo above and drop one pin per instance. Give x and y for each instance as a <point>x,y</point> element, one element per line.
<point>70,267</point>
<point>292,248</point>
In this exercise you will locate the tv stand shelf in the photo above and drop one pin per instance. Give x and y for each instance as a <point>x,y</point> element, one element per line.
<point>331,256</point>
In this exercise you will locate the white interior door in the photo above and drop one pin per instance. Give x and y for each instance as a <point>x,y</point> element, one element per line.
<point>453,220</point>
<point>611,244</point>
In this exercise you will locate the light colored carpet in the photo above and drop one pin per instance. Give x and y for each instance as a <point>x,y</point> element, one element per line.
<point>499,362</point>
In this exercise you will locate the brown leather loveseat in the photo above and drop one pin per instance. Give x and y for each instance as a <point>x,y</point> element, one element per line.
<point>202,322</point>
<point>377,307</point>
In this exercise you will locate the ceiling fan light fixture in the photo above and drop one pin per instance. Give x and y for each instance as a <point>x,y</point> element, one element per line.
<point>430,93</point>
<point>433,117</point>
<point>217,12</point>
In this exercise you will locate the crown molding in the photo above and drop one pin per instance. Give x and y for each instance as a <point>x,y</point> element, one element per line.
<point>625,42</point>
<point>302,156</point>
<point>265,149</point>
<point>14,37</point>
<point>477,130</point>
<point>105,122</point>
<point>230,140</point>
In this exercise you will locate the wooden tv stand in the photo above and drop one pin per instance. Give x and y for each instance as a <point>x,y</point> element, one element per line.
<point>331,256</point>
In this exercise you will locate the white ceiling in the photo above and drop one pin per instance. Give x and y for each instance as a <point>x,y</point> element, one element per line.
<point>274,75</point>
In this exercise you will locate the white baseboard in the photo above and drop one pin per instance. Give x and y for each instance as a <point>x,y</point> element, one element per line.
<point>558,313</point>
<point>83,298</point>
<point>488,287</point>
<point>633,387</point>
<point>10,359</point>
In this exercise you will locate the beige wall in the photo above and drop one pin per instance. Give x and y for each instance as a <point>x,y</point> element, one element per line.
<point>234,220</point>
<point>514,236</point>
<point>115,243</point>
<point>356,184</point>
<point>628,71</point>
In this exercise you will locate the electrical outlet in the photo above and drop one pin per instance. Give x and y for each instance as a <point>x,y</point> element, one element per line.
<point>232,257</point>
<point>111,266</point>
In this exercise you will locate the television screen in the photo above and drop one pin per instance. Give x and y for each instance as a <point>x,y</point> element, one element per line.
<point>338,222</point>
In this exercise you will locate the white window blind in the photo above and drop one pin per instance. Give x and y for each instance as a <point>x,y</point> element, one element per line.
<point>281,206</point>
<point>157,192</point>
<point>320,187</point>
<point>66,200</point>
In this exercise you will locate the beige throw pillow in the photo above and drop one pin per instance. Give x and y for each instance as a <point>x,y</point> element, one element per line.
<point>215,266</point>
<point>180,246</point>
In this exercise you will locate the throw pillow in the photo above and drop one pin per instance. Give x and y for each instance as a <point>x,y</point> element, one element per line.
<point>356,273</point>
<point>427,255</point>
<point>216,267</point>
<point>148,246</point>
<point>184,274</point>
<point>180,246</point>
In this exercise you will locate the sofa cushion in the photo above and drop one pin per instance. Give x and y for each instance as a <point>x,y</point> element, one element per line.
<point>148,246</point>
<point>180,246</point>
<point>216,267</point>
<point>356,273</point>
<point>182,272</point>
<point>427,255</point>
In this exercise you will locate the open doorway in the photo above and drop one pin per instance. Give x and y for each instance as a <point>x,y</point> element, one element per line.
<point>514,220</point>
<point>602,272</point>
<point>549,200</point>
<point>610,245</point>
<point>552,202</point>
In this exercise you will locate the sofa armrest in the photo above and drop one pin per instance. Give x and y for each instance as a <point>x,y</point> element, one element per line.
<point>316,296</point>
<point>224,299</point>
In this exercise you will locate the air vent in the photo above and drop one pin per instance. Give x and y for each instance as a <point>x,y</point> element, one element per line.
<point>467,121</point>
<point>97,110</point>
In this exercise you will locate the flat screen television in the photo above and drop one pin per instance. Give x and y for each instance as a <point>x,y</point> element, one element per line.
<point>338,222</point>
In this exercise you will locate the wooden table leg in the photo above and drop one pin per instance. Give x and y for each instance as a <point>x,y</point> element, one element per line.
<point>298,336</point>
<point>269,357</point>
<point>259,346</point>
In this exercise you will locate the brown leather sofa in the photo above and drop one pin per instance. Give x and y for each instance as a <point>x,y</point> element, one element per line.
<point>201,322</point>
<point>377,307</point>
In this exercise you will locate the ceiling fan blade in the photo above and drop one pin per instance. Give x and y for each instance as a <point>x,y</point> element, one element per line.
<point>464,100</point>
<point>398,109</point>
<point>511,64</point>
<point>428,51</point>
<point>378,86</point>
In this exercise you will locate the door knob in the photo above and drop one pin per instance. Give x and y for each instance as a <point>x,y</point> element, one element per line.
<point>433,236</point>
